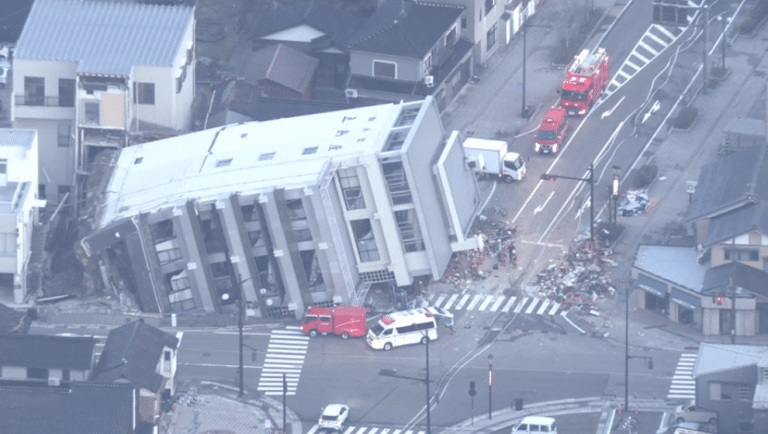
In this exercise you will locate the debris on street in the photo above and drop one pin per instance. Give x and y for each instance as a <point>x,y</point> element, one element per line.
<point>634,202</point>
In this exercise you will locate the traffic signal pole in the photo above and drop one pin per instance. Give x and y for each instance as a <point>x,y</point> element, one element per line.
<point>591,181</point>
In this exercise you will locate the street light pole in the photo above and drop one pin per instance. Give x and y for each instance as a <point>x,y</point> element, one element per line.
<point>490,385</point>
<point>429,419</point>
<point>706,41</point>
<point>626,352</point>
<point>592,202</point>
<point>722,20</point>
<point>285,392</point>
<point>524,112</point>
<point>240,338</point>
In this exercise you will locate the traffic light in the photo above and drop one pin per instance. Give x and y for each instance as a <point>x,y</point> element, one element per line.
<point>719,300</point>
<point>548,177</point>
<point>472,391</point>
<point>650,363</point>
<point>615,186</point>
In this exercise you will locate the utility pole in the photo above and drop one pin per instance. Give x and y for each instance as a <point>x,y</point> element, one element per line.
<point>706,42</point>
<point>429,419</point>
<point>733,290</point>
<point>591,181</point>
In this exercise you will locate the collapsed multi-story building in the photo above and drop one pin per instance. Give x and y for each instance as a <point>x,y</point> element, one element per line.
<point>290,212</point>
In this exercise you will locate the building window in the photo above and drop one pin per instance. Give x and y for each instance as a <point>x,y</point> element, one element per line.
<point>3,166</point>
<point>366,243</point>
<point>309,151</point>
<point>250,213</point>
<point>66,92</point>
<point>428,64</point>
<point>742,255</point>
<point>34,91</point>
<point>224,163</point>
<point>397,182</point>
<point>312,271</point>
<point>181,78</point>
<point>383,69</point>
<point>490,39</point>
<point>92,112</point>
<point>144,93</point>
<point>38,373</point>
<point>179,284</point>
<point>65,374</point>
<point>489,4</point>
<point>298,217</point>
<point>410,232</point>
<point>168,255</point>
<point>65,132</point>
<point>450,38</point>
<point>463,22</point>
<point>744,393</point>
<point>350,189</point>
<point>41,191</point>
<point>266,157</point>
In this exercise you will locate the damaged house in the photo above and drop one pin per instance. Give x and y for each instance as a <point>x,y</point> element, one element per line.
<point>289,213</point>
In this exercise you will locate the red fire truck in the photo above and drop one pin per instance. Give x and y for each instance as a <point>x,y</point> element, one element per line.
<point>344,321</point>
<point>587,78</point>
<point>552,131</point>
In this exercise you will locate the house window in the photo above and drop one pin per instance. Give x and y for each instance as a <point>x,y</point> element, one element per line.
<point>144,93</point>
<point>66,92</point>
<point>744,394</point>
<point>463,22</point>
<point>397,181</point>
<point>366,243</point>
<point>489,4</point>
<point>742,255</point>
<point>266,157</point>
<point>410,232</point>
<point>189,55</point>
<point>250,213</point>
<point>92,112</point>
<point>34,91</point>
<point>298,218</point>
<point>167,356</point>
<point>65,374</point>
<point>428,64</point>
<point>350,188</point>
<point>383,69</point>
<point>309,151</point>
<point>169,255</point>
<point>224,163</point>
<point>39,373</point>
<point>179,284</point>
<point>181,78</point>
<point>41,191</point>
<point>722,391</point>
<point>65,131</point>
<point>3,166</point>
<point>450,38</point>
<point>490,39</point>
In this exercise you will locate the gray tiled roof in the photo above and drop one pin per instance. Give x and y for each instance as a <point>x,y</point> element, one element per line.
<point>283,65</point>
<point>719,279</point>
<point>17,138</point>
<point>675,264</point>
<point>752,216</point>
<point>46,351</point>
<point>729,182</point>
<point>105,38</point>
<point>406,28</point>
<point>715,358</point>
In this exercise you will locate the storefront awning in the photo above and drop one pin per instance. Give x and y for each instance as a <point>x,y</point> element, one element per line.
<point>652,285</point>
<point>684,299</point>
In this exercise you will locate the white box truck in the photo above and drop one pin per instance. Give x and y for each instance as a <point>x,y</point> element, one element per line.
<point>491,157</point>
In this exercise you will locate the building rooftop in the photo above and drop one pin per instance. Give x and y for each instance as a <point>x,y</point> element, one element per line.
<point>675,264</point>
<point>47,351</point>
<point>715,358</point>
<point>17,138</point>
<point>243,158</point>
<point>104,38</point>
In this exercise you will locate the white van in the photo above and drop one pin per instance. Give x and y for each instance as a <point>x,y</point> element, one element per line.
<point>535,424</point>
<point>402,328</point>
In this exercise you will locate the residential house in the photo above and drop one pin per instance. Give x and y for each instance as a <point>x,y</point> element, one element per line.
<point>144,357</point>
<point>733,381</point>
<point>95,75</point>
<point>289,213</point>
<point>47,358</point>
<point>69,408</point>
<point>18,210</point>
<point>407,50</point>
<point>282,72</point>
<point>312,27</point>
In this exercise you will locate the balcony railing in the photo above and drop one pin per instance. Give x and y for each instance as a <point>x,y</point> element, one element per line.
<point>44,101</point>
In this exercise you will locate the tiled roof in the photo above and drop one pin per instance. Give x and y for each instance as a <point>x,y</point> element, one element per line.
<point>406,28</point>
<point>132,353</point>
<point>715,358</point>
<point>283,65</point>
<point>12,17</point>
<point>752,216</point>
<point>47,351</point>
<point>338,25</point>
<point>104,38</point>
<point>357,81</point>
<point>72,408</point>
<point>719,279</point>
<point>671,263</point>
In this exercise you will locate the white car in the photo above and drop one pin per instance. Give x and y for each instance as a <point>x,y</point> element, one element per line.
<point>333,416</point>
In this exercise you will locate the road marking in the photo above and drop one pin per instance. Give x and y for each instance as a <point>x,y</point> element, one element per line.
<point>543,307</point>
<point>683,385</point>
<point>462,301</point>
<point>440,299</point>
<point>285,354</point>
<point>555,306</point>
<point>451,301</point>
<point>661,29</point>
<point>656,38</point>
<point>486,302</point>
<point>540,208</point>
<point>474,301</point>
<point>520,305</point>
<point>610,112</point>
<point>498,302</point>
<point>218,365</point>
<point>509,304</point>
<point>648,47</point>
<point>532,306</point>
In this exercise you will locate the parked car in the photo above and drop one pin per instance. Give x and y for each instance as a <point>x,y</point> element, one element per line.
<point>690,413</point>
<point>333,416</point>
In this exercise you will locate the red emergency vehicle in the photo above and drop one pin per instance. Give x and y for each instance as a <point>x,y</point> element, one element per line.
<point>552,131</point>
<point>344,321</point>
<point>587,78</point>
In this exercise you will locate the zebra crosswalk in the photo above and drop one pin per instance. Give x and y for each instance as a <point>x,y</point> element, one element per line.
<point>285,355</point>
<point>366,430</point>
<point>683,385</point>
<point>496,303</point>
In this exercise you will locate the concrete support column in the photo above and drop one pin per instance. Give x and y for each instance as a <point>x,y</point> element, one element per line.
<point>198,269</point>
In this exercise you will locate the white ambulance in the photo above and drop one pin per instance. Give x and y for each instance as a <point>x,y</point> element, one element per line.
<point>402,328</point>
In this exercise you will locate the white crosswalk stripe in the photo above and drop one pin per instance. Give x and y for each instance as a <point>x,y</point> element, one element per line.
<point>683,385</point>
<point>494,303</point>
<point>364,430</point>
<point>285,355</point>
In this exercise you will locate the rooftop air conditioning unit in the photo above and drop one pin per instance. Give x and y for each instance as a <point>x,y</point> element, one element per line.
<point>350,93</point>
<point>429,80</point>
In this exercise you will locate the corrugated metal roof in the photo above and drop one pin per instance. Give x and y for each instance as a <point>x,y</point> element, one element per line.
<point>104,38</point>
<point>675,264</point>
<point>715,358</point>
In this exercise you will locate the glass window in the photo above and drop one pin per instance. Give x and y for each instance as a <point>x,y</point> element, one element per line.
<point>34,91</point>
<point>65,132</point>
<point>350,188</point>
<point>489,4</point>
<point>410,231</point>
<point>92,112</point>
<point>450,38</point>
<point>384,69</point>
<point>66,92</point>
<point>3,166</point>
<point>490,39</point>
<point>366,243</point>
<point>144,93</point>
<point>742,255</point>
<point>397,182</point>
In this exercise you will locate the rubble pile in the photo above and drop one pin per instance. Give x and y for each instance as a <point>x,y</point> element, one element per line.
<point>580,277</point>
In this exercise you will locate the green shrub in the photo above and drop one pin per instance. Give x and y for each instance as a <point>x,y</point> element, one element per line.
<point>686,117</point>
<point>645,175</point>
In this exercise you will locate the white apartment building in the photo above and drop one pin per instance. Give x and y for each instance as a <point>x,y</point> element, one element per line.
<point>94,75</point>
<point>18,203</point>
<point>296,211</point>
